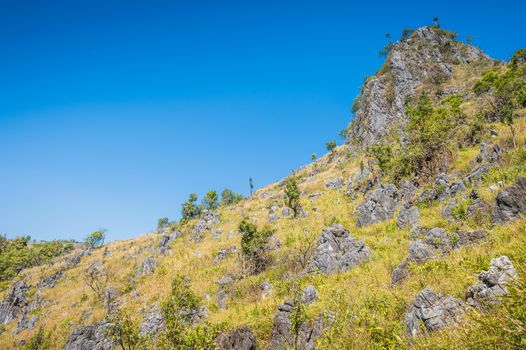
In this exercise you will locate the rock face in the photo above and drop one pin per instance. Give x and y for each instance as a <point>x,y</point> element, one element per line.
<point>147,267</point>
<point>334,184</point>
<point>309,295</point>
<point>433,243</point>
<point>90,337</point>
<point>14,303</point>
<point>240,338</point>
<point>153,323</point>
<point>337,251</point>
<point>511,202</point>
<point>488,153</point>
<point>380,205</point>
<point>492,283</point>
<point>408,218</point>
<point>431,312</point>
<point>426,57</point>
<point>207,221</point>
<point>282,336</point>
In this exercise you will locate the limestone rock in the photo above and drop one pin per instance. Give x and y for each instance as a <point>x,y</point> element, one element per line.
<point>14,303</point>
<point>379,206</point>
<point>492,283</point>
<point>511,202</point>
<point>147,267</point>
<point>431,312</point>
<point>92,337</point>
<point>408,218</point>
<point>337,251</point>
<point>309,295</point>
<point>241,338</point>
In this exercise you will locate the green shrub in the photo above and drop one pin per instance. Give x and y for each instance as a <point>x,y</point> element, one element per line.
<point>229,197</point>
<point>124,332</point>
<point>211,200</point>
<point>96,238</point>
<point>254,246</point>
<point>190,209</point>
<point>292,195</point>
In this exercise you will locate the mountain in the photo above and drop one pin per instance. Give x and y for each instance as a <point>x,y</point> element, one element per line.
<point>411,235</point>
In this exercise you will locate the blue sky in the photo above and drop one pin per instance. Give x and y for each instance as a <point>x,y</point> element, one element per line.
<point>112,112</point>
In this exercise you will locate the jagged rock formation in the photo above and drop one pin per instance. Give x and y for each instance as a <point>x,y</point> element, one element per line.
<point>492,283</point>
<point>380,205</point>
<point>240,338</point>
<point>147,267</point>
<point>426,57</point>
<point>92,337</point>
<point>511,202</point>
<point>337,251</point>
<point>206,223</point>
<point>408,218</point>
<point>309,295</point>
<point>283,337</point>
<point>153,322</point>
<point>14,303</point>
<point>434,243</point>
<point>432,312</point>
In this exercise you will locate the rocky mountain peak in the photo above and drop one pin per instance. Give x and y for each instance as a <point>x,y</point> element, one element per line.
<point>424,59</point>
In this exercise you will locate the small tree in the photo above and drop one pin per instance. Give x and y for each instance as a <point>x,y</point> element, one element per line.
<point>292,195</point>
<point>229,197</point>
<point>162,223</point>
<point>96,239</point>
<point>97,278</point>
<point>211,200</point>
<point>123,331</point>
<point>435,20</point>
<point>254,245</point>
<point>313,156</point>
<point>190,210</point>
<point>331,145</point>
<point>251,185</point>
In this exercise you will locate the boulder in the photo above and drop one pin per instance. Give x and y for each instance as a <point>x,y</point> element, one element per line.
<point>337,251</point>
<point>91,337</point>
<point>14,302</point>
<point>488,153</point>
<point>492,283</point>
<point>379,206</point>
<point>153,322</point>
<point>476,176</point>
<point>241,338</point>
<point>406,192</point>
<point>51,280</point>
<point>408,218</point>
<point>282,336</point>
<point>334,184</point>
<point>266,289</point>
<point>147,267</point>
<point>431,312</point>
<point>511,202</point>
<point>427,196</point>
<point>309,295</point>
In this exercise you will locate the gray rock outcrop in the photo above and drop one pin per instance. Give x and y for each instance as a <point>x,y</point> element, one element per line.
<point>408,218</point>
<point>147,267</point>
<point>241,338</point>
<point>492,283</point>
<point>511,202</point>
<point>337,251</point>
<point>426,57</point>
<point>14,303</point>
<point>431,312</point>
<point>91,337</point>
<point>379,205</point>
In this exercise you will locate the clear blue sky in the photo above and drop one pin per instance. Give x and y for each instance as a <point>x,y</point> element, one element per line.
<point>112,112</point>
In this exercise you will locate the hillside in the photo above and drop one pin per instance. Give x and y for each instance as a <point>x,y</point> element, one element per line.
<point>393,232</point>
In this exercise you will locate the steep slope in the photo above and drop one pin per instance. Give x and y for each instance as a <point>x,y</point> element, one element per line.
<point>368,263</point>
<point>423,60</point>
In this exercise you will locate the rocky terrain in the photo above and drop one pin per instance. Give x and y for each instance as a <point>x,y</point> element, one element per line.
<point>376,253</point>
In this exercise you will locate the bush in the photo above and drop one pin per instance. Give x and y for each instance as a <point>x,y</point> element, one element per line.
<point>190,210</point>
<point>229,197</point>
<point>179,311</point>
<point>96,239</point>
<point>162,223</point>
<point>20,253</point>
<point>211,201</point>
<point>254,246</point>
<point>123,331</point>
<point>331,145</point>
<point>40,341</point>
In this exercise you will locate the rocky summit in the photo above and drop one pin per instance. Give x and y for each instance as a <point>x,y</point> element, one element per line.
<point>409,235</point>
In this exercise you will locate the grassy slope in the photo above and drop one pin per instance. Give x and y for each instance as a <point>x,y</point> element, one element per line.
<point>370,311</point>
